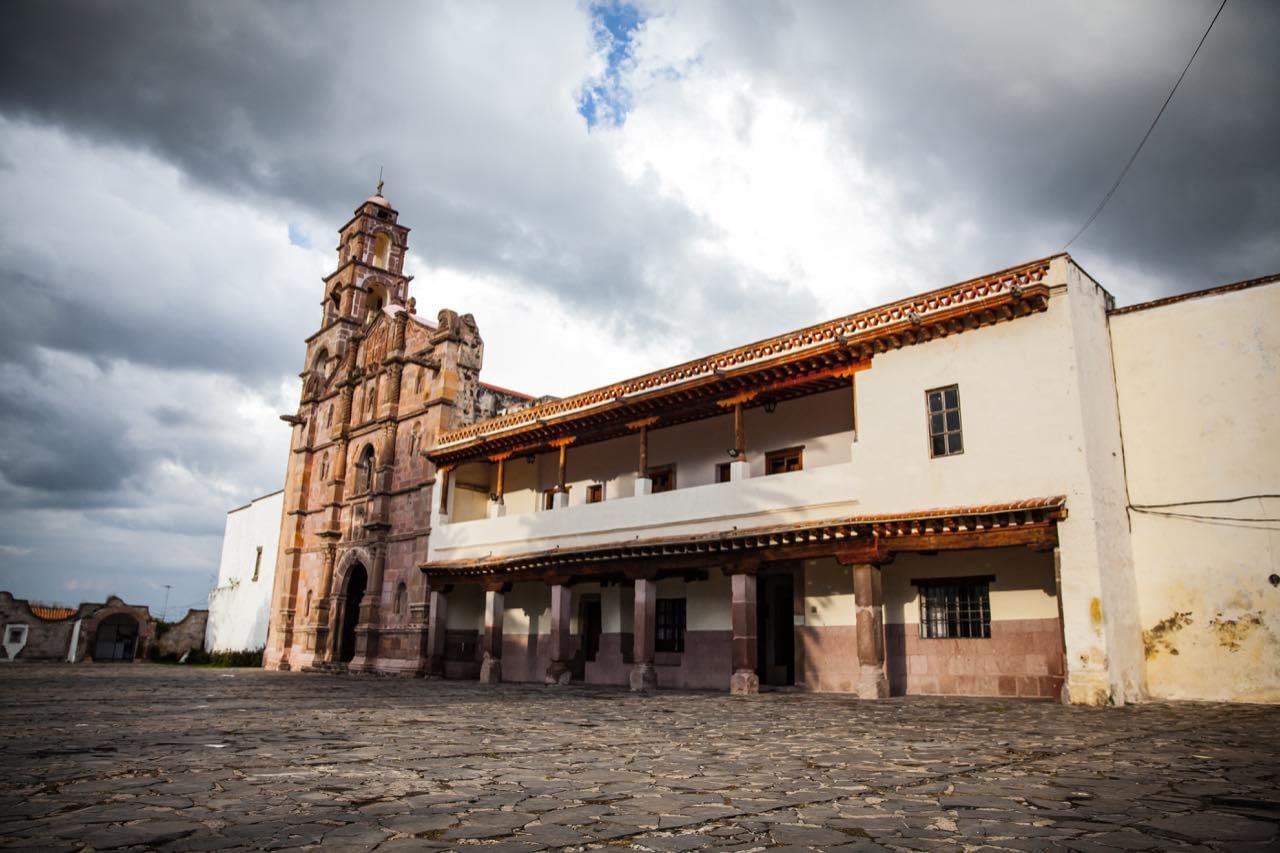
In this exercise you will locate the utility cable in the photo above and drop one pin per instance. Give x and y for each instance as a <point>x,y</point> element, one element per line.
<point>1106,198</point>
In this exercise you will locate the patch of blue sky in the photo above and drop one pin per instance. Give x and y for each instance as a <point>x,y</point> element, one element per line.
<point>606,98</point>
<point>298,238</point>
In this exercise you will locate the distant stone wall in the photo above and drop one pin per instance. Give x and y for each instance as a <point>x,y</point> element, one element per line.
<point>43,640</point>
<point>182,637</point>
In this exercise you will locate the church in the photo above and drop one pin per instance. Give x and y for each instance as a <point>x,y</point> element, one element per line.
<point>1007,486</point>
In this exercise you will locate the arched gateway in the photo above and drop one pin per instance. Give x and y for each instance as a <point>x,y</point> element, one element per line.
<point>116,638</point>
<point>357,581</point>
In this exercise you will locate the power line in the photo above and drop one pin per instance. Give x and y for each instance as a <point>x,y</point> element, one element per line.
<point>1106,198</point>
<point>1204,501</point>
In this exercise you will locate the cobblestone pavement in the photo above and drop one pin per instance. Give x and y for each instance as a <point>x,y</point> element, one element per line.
<point>146,757</point>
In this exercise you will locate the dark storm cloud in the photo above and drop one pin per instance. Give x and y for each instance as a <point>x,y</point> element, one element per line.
<point>1021,115</point>
<point>60,455</point>
<point>85,315</point>
<point>305,102</point>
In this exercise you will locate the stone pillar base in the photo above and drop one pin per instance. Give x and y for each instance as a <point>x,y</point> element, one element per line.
<point>491,671</point>
<point>872,683</point>
<point>739,470</point>
<point>643,677</point>
<point>644,486</point>
<point>559,500</point>
<point>558,673</point>
<point>744,682</point>
<point>496,510</point>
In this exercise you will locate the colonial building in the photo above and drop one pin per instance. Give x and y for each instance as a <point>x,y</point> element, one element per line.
<point>939,495</point>
<point>240,605</point>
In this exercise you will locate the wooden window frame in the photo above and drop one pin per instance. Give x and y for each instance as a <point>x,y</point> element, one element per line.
<point>955,608</point>
<point>783,452</point>
<point>945,433</point>
<point>669,468</point>
<point>722,472</point>
<point>548,499</point>
<point>670,625</point>
<point>595,493</point>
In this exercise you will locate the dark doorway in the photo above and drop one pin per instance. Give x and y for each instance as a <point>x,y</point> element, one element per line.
<point>117,638</point>
<point>357,580</point>
<point>776,630</point>
<point>589,627</point>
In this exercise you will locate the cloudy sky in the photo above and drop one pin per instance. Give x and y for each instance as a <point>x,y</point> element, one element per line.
<point>607,188</point>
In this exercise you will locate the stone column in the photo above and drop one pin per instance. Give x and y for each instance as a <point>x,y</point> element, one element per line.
<point>643,675</point>
<point>491,638</point>
<point>561,600</point>
<point>872,681</point>
<point>744,680</point>
<point>437,625</point>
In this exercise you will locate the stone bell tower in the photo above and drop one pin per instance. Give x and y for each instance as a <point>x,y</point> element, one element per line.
<point>369,278</point>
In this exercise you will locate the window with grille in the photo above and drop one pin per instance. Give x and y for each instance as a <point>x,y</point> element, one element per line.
<point>782,461</point>
<point>944,421</point>
<point>669,635</point>
<point>955,607</point>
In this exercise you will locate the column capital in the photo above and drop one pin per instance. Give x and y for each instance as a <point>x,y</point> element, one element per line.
<point>870,555</point>
<point>743,566</point>
<point>641,573</point>
<point>495,584</point>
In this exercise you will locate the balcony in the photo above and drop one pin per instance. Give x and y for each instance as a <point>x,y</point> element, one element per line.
<point>800,496</point>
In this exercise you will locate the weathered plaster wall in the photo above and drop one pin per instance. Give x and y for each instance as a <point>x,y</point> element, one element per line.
<point>240,604</point>
<point>1199,384</point>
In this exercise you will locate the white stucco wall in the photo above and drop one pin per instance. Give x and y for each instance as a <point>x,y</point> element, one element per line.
<point>239,606</point>
<point>1199,384</point>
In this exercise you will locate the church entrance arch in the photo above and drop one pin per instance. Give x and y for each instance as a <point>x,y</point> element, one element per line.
<point>357,581</point>
<point>116,638</point>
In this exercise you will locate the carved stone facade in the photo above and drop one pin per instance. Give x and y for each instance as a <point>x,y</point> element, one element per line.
<point>379,384</point>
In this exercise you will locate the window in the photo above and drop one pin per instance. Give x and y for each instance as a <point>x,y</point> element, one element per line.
<point>548,498</point>
<point>308,610</point>
<point>398,603</point>
<point>595,493</point>
<point>944,421</point>
<point>417,383</point>
<point>955,607</point>
<point>663,478</point>
<point>328,418</point>
<point>669,635</point>
<point>370,398</point>
<point>722,472</point>
<point>257,564</point>
<point>782,461</point>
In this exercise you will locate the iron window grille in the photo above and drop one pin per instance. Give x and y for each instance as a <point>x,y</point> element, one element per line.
<point>955,608</point>
<point>670,621</point>
<point>945,437</point>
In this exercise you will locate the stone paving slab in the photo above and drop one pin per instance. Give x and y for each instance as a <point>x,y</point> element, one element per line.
<point>145,757</point>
